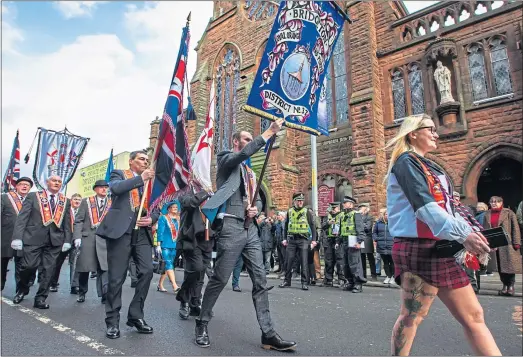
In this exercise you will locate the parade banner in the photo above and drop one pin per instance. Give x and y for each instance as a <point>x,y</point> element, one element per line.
<point>12,173</point>
<point>58,153</point>
<point>289,83</point>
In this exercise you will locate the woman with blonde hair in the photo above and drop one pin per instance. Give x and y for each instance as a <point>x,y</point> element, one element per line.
<point>421,212</point>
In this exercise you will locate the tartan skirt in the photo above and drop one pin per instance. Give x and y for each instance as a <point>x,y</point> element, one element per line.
<point>415,255</point>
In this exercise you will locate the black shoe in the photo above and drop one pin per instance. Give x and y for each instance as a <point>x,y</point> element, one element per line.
<point>327,283</point>
<point>184,311</point>
<point>276,343</point>
<point>81,298</point>
<point>357,288</point>
<point>237,289</point>
<point>104,299</point>
<point>53,289</point>
<point>133,284</point>
<point>18,298</point>
<point>313,282</point>
<point>304,287</point>
<point>40,304</point>
<point>195,311</point>
<point>140,325</point>
<point>348,287</point>
<point>284,285</point>
<point>112,332</point>
<point>201,334</point>
<point>74,291</point>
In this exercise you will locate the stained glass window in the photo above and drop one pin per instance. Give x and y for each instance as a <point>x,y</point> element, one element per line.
<point>398,95</point>
<point>416,90</point>
<point>478,76</point>
<point>500,67</point>
<point>341,93</point>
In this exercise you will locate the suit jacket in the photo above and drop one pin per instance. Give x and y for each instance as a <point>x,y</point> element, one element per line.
<point>229,180</point>
<point>121,218</point>
<point>192,225</point>
<point>30,229</point>
<point>8,225</point>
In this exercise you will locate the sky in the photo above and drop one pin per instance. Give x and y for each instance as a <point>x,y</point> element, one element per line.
<point>101,68</point>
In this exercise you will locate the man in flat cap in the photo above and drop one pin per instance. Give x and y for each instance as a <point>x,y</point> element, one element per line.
<point>299,226</point>
<point>93,249</point>
<point>350,239</point>
<point>11,206</point>
<point>333,256</point>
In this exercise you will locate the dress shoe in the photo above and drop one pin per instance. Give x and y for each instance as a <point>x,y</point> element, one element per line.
<point>195,311</point>
<point>184,311</point>
<point>357,288</point>
<point>237,289</point>
<point>510,290</point>
<point>276,343</point>
<point>313,282</point>
<point>112,332</point>
<point>18,298</point>
<point>347,287</point>
<point>53,289</point>
<point>81,298</point>
<point>284,285</point>
<point>140,325</point>
<point>503,291</point>
<point>304,287</point>
<point>201,334</point>
<point>74,291</point>
<point>40,304</point>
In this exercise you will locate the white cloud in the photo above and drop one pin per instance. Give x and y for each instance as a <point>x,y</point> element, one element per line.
<point>98,87</point>
<point>11,35</point>
<point>71,9</point>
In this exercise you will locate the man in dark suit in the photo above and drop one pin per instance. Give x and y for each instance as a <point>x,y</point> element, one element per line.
<point>123,241</point>
<point>11,206</point>
<point>196,243</point>
<point>42,230</point>
<point>236,187</point>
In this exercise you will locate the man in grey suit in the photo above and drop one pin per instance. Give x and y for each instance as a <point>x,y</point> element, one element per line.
<point>123,242</point>
<point>42,230</point>
<point>236,185</point>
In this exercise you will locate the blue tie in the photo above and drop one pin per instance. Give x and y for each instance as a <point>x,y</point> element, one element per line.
<point>52,202</point>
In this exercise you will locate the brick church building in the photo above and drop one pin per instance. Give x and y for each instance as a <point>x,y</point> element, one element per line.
<point>382,70</point>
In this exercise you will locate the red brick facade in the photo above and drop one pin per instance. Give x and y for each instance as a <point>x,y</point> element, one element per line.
<point>383,40</point>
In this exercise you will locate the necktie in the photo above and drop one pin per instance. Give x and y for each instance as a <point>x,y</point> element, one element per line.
<point>102,204</point>
<point>52,202</point>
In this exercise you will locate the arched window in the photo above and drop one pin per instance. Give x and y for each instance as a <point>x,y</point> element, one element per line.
<point>478,78</point>
<point>416,89</point>
<point>227,81</point>
<point>264,123</point>
<point>500,66</point>
<point>398,95</point>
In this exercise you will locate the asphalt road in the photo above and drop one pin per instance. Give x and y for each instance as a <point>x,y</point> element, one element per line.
<point>324,321</point>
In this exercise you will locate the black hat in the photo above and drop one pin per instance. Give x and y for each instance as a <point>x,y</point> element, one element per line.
<point>334,204</point>
<point>348,199</point>
<point>298,197</point>
<point>100,183</point>
<point>26,179</point>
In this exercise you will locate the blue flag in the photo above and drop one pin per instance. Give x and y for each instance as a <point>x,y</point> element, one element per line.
<point>289,83</point>
<point>110,167</point>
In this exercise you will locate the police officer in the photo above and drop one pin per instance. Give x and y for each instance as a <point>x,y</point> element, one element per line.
<point>299,226</point>
<point>331,227</point>
<point>350,239</point>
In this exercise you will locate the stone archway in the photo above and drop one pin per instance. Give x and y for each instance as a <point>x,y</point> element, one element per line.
<point>482,161</point>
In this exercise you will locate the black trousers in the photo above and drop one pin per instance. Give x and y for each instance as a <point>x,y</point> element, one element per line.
<point>281,256</point>
<point>372,263</point>
<point>196,263</point>
<point>58,267</point>
<point>310,264</point>
<point>34,255</point>
<point>332,258</point>
<point>119,252</point>
<point>301,246</point>
<point>388,264</point>
<point>5,263</point>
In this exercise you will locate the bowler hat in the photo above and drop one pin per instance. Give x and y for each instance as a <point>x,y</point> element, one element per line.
<point>26,179</point>
<point>348,199</point>
<point>298,197</point>
<point>100,183</point>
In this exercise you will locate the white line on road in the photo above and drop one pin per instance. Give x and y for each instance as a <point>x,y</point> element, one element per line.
<point>79,337</point>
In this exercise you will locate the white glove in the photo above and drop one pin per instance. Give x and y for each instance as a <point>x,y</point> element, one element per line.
<point>158,250</point>
<point>77,243</point>
<point>17,244</point>
<point>66,247</point>
<point>336,246</point>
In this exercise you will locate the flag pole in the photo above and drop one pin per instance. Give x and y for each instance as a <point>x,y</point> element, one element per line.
<point>314,173</point>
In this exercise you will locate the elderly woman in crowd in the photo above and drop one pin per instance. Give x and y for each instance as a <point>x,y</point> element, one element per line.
<point>384,241</point>
<point>420,212</point>
<point>506,259</point>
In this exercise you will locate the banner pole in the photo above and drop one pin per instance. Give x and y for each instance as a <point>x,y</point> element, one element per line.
<point>314,173</point>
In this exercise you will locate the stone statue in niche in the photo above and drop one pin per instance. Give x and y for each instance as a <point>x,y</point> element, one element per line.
<point>442,77</point>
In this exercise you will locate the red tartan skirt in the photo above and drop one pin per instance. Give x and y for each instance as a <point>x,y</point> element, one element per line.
<point>415,255</point>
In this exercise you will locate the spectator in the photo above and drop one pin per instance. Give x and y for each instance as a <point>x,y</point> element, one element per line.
<point>384,242</point>
<point>278,235</point>
<point>519,215</point>
<point>481,209</point>
<point>367,250</point>
<point>267,240</point>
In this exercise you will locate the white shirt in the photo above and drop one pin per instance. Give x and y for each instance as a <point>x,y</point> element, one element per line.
<point>99,201</point>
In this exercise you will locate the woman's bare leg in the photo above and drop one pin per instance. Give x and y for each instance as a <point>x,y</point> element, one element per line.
<point>162,279</point>
<point>464,306</point>
<point>416,298</point>
<point>172,278</point>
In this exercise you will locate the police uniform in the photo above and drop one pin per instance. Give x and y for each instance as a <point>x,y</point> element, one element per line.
<point>352,232</point>
<point>333,256</point>
<point>299,226</point>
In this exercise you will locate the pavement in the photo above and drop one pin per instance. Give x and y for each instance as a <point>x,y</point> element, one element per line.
<point>323,321</point>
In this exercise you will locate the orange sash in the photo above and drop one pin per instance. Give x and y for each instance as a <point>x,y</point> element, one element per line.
<point>134,194</point>
<point>49,217</point>
<point>15,201</point>
<point>174,231</point>
<point>94,213</point>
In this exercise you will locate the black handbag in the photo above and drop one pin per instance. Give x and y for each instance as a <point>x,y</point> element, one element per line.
<point>496,237</point>
<point>158,264</point>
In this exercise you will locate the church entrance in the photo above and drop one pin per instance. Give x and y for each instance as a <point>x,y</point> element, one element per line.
<point>502,177</point>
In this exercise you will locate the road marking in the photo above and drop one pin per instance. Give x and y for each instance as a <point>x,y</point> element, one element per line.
<point>78,336</point>
<point>517,316</point>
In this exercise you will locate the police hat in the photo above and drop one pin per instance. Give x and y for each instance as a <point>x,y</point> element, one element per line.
<point>348,199</point>
<point>363,205</point>
<point>100,183</point>
<point>298,197</point>
<point>26,179</point>
<point>334,204</point>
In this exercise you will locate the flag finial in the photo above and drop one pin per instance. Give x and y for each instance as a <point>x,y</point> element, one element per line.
<point>189,18</point>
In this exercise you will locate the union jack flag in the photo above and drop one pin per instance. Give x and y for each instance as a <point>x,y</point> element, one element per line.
<point>171,160</point>
<point>13,170</point>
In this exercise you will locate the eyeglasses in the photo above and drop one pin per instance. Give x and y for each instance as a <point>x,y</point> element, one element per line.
<point>432,129</point>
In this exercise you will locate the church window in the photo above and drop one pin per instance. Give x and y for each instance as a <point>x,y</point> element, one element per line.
<point>408,93</point>
<point>337,91</point>
<point>500,67</point>
<point>477,72</point>
<point>416,89</point>
<point>398,95</point>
